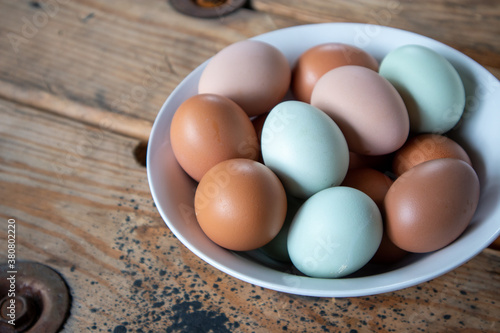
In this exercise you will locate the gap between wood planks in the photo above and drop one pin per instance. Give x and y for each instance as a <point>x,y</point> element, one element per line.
<point>105,120</point>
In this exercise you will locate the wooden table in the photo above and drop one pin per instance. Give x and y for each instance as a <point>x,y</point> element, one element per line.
<point>80,85</point>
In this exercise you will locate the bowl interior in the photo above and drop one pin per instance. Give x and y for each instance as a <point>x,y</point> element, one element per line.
<point>173,191</point>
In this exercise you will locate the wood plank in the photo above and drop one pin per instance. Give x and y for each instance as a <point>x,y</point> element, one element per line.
<point>82,206</point>
<point>109,121</point>
<point>469,26</point>
<point>120,57</point>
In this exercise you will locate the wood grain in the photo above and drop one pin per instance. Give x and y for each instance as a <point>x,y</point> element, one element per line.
<point>119,57</point>
<point>80,85</point>
<point>469,26</point>
<point>94,58</point>
<point>109,121</point>
<point>82,206</point>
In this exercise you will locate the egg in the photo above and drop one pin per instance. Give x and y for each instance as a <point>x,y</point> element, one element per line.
<point>334,233</point>
<point>240,204</point>
<point>366,107</point>
<point>430,86</point>
<point>254,74</point>
<point>207,129</point>
<point>371,182</point>
<point>425,147</point>
<point>375,184</point>
<point>304,147</point>
<point>431,204</point>
<point>319,59</point>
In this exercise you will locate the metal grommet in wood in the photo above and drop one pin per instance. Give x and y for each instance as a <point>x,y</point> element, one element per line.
<point>34,296</point>
<point>206,8</point>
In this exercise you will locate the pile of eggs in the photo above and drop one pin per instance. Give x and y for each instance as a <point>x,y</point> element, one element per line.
<point>330,163</point>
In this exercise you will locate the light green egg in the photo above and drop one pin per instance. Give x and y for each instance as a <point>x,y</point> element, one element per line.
<point>334,233</point>
<point>430,86</point>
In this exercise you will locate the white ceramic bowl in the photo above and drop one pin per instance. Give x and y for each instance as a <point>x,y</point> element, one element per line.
<point>479,134</point>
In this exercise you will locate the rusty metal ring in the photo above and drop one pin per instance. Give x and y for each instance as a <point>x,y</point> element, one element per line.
<point>41,298</point>
<point>206,8</point>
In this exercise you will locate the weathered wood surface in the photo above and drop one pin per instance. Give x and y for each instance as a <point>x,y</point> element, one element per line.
<point>78,94</point>
<point>117,61</point>
<point>118,57</point>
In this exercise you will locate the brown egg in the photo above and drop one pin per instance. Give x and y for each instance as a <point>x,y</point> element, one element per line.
<point>207,129</point>
<point>254,74</point>
<point>240,204</point>
<point>369,181</point>
<point>431,204</point>
<point>425,147</point>
<point>320,59</point>
<point>375,184</point>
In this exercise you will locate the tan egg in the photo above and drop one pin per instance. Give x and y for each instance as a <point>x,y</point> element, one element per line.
<point>254,74</point>
<point>375,184</point>
<point>207,129</point>
<point>368,109</point>
<point>425,147</point>
<point>240,204</point>
<point>318,60</point>
<point>431,204</point>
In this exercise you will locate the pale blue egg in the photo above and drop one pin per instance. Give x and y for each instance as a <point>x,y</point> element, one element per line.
<point>304,147</point>
<point>335,233</point>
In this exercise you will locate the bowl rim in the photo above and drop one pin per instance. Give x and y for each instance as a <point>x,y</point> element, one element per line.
<point>241,268</point>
